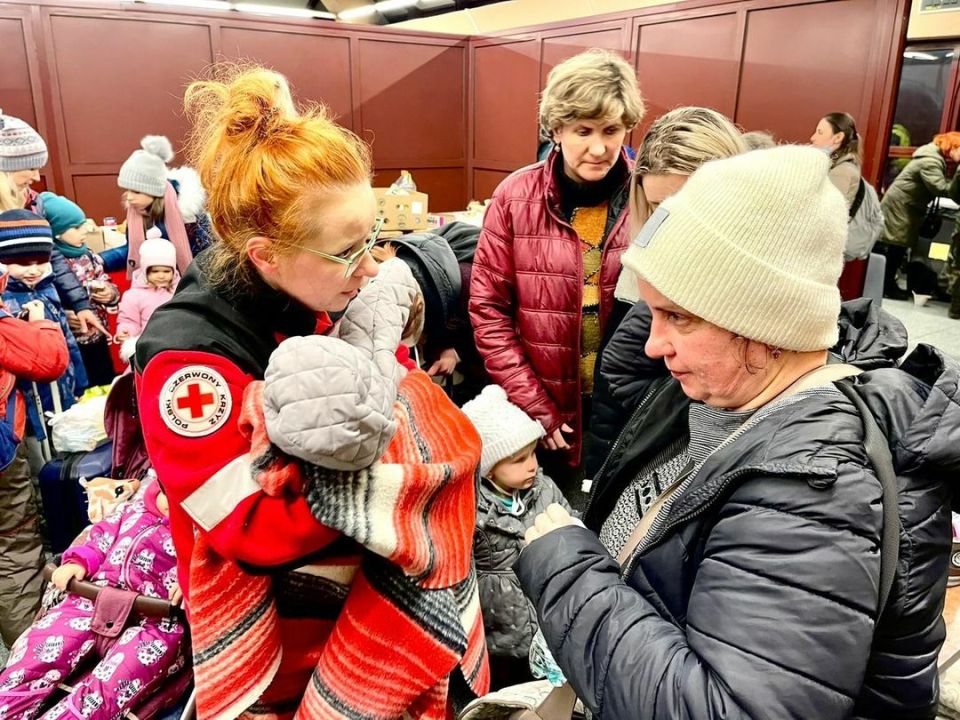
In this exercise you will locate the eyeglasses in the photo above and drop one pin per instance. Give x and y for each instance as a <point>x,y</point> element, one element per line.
<point>353,259</point>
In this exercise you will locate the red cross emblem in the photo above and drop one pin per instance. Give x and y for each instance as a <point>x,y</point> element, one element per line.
<point>195,401</point>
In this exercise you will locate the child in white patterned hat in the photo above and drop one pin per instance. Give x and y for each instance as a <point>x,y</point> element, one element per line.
<point>513,491</point>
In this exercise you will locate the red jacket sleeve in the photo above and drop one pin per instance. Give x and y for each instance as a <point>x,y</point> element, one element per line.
<point>34,351</point>
<point>190,403</point>
<point>493,306</point>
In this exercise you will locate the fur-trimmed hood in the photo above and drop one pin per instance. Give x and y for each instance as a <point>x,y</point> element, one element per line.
<point>191,197</point>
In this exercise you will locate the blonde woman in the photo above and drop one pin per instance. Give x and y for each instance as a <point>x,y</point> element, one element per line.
<point>549,254</point>
<point>675,146</point>
<point>22,153</point>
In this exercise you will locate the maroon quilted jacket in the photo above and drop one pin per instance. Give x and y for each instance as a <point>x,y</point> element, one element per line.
<point>525,294</point>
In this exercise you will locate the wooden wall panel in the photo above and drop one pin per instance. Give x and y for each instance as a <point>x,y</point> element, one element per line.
<point>16,96</point>
<point>318,67</point>
<point>827,65</point>
<point>485,182</point>
<point>104,120</point>
<point>99,195</point>
<point>506,85</point>
<point>688,62</point>
<point>412,103</point>
<point>558,48</point>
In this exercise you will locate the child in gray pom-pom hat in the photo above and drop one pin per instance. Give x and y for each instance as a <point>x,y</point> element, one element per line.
<point>513,491</point>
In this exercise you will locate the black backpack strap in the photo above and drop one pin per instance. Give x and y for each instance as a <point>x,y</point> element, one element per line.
<point>878,452</point>
<point>858,200</point>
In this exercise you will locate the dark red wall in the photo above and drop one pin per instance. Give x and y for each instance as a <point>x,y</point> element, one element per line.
<point>95,78</point>
<point>459,113</point>
<point>775,65</point>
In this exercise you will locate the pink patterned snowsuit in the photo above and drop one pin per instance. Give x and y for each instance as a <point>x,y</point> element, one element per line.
<point>132,550</point>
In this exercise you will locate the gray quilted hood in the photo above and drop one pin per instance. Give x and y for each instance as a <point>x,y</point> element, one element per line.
<point>329,400</point>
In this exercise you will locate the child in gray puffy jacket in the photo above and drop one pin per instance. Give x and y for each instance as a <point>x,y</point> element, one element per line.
<point>513,491</point>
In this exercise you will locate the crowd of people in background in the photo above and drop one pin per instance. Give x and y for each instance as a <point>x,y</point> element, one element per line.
<point>641,424</point>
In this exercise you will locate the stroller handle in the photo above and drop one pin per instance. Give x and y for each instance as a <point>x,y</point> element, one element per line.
<point>143,605</point>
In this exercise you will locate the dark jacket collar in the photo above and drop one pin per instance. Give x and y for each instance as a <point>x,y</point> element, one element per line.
<point>621,188</point>
<point>243,326</point>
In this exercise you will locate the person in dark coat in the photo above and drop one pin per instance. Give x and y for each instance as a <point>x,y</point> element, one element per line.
<point>449,351</point>
<point>738,564</point>
<point>513,492</point>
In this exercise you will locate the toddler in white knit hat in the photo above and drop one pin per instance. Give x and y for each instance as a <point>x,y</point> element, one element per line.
<point>513,491</point>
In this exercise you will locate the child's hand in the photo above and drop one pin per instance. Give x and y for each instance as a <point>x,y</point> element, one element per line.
<point>101,294</point>
<point>175,595</point>
<point>34,310</point>
<point>65,573</point>
<point>445,364</point>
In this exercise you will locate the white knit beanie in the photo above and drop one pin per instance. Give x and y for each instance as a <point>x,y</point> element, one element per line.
<point>504,428</point>
<point>21,147</point>
<point>157,252</point>
<point>145,170</point>
<point>753,244</point>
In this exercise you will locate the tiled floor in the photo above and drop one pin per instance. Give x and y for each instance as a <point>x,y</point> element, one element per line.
<point>928,324</point>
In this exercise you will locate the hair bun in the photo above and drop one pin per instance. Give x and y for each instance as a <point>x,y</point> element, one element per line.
<point>158,145</point>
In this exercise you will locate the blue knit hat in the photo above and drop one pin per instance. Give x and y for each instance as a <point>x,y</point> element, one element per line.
<point>24,238</point>
<point>62,213</point>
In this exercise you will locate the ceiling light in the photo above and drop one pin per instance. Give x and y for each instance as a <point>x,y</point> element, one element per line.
<point>283,11</point>
<point>195,4</point>
<point>383,6</point>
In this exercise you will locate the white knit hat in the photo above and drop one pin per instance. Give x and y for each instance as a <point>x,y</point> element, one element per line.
<point>753,244</point>
<point>156,251</point>
<point>504,428</point>
<point>145,170</point>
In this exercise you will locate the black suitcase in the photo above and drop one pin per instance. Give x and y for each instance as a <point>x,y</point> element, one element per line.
<point>64,501</point>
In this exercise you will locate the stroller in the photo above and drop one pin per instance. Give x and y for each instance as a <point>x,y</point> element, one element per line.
<point>172,698</point>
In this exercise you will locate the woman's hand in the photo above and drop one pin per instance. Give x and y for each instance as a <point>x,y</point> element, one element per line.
<point>556,440</point>
<point>555,517</point>
<point>445,364</point>
<point>102,295</point>
<point>175,595</point>
<point>65,573</point>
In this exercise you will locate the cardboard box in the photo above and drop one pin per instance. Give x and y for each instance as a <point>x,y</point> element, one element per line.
<point>406,212</point>
<point>102,238</point>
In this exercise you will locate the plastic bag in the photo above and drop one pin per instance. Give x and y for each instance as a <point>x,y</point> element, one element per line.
<point>79,429</point>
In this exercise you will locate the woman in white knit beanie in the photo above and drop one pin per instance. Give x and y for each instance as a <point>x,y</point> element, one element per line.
<point>734,560</point>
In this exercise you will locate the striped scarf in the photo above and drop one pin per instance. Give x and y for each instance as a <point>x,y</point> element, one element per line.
<point>411,614</point>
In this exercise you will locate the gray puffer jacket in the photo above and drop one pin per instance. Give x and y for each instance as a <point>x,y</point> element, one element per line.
<point>508,617</point>
<point>756,595</point>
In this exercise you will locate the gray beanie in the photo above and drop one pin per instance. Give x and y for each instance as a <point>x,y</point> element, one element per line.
<point>145,170</point>
<point>504,428</point>
<point>21,147</point>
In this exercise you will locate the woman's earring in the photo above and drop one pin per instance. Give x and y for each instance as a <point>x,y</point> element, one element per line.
<point>556,147</point>
<point>776,353</point>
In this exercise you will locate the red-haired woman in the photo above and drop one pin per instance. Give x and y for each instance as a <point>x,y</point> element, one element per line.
<point>286,571</point>
<point>905,202</point>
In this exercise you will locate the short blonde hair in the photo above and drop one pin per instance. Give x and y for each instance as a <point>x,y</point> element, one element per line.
<point>678,143</point>
<point>594,85</point>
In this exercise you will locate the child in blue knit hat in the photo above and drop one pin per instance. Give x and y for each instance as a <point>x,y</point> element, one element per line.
<point>26,242</point>
<point>68,221</point>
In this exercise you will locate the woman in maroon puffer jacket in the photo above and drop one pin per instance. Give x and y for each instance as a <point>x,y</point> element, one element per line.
<point>549,254</point>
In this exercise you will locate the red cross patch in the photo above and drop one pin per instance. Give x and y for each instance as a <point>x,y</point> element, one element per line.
<point>195,401</point>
